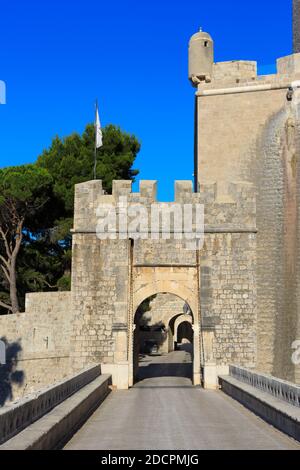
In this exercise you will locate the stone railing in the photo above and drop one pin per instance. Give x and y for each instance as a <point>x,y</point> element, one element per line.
<point>17,416</point>
<point>280,389</point>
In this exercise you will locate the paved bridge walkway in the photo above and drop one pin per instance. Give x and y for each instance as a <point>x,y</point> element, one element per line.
<point>166,412</point>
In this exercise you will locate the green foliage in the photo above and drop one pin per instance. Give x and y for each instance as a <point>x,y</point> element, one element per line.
<point>43,194</point>
<point>43,257</point>
<point>25,184</point>
<point>64,283</point>
<point>71,161</point>
<point>24,192</point>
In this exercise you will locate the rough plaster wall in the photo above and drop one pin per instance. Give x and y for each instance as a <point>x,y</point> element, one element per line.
<point>43,334</point>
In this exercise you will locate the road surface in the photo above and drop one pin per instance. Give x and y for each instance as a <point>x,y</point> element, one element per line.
<point>164,411</point>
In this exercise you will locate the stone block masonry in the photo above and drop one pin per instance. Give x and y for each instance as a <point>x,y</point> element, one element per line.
<point>94,323</point>
<point>16,417</point>
<point>45,420</point>
<point>248,131</point>
<point>228,298</point>
<point>112,277</point>
<point>42,337</point>
<point>242,285</point>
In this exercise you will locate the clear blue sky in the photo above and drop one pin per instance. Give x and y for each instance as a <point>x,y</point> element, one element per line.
<point>56,57</point>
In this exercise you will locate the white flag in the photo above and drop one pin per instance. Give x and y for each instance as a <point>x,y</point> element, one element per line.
<point>99,141</point>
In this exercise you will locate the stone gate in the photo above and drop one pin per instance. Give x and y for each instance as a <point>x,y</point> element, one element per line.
<point>112,277</point>
<point>241,285</point>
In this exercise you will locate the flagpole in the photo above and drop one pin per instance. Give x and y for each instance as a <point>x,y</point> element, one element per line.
<point>95,149</point>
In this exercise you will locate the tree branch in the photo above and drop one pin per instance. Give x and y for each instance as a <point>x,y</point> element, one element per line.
<point>4,305</point>
<point>19,237</point>
<point>4,261</point>
<point>49,285</point>
<point>3,235</point>
<point>5,272</point>
<point>37,208</point>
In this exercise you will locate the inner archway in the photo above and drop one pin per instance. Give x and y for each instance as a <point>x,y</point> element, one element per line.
<point>185,336</point>
<point>157,352</point>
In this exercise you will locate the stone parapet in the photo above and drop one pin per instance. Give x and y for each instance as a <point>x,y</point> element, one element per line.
<point>274,400</point>
<point>26,411</point>
<point>230,206</point>
<point>241,73</point>
<point>281,389</point>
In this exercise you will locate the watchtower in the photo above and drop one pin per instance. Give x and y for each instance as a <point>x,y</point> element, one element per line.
<point>246,129</point>
<point>201,58</point>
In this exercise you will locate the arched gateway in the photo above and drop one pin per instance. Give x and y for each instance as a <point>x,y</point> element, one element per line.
<point>156,326</point>
<point>112,276</point>
<point>166,281</point>
<point>194,319</point>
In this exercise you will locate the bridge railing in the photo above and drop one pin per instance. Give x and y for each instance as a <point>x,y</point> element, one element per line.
<point>17,416</point>
<point>280,389</point>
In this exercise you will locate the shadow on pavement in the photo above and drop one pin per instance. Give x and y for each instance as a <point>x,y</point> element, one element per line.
<point>165,370</point>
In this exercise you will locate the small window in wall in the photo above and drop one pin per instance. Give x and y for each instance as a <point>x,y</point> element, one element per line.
<point>205,43</point>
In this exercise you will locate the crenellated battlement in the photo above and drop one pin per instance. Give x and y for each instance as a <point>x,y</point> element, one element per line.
<point>234,70</point>
<point>230,205</point>
<point>241,73</point>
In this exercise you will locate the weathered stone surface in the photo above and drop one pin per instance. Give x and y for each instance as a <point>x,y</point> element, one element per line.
<point>265,403</point>
<point>188,417</point>
<point>242,286</point>
<point>19,415</point>
<point>127,273</point>
<point>42,336</point>
<point>280,389</point>
<point>248,130</point>
<point>54,429</point>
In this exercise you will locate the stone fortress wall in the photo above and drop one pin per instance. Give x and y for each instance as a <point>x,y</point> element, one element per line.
<point>248,130</point>
<point>242,285</point>
<point>162,308</point>
<point>94,323</point>
<point>41,339</point>
<point>122,270</point>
